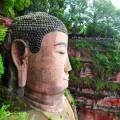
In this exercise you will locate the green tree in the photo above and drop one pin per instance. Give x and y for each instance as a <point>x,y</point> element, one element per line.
<point>117,21</point>
<point>38,5</point>
<point>101,13</point>
<point>57,8</point>
<point>53,7</point>
<point>76,14</point>
<point>3,31</point>
<point>11,8</point>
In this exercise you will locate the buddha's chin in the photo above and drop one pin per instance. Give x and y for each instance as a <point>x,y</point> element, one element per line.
<point>60,88</point>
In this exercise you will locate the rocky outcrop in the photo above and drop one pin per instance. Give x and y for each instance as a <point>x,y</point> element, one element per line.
<point>73,52</point>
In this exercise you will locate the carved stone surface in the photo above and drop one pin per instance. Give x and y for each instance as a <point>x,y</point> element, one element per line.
<point>43,74</point>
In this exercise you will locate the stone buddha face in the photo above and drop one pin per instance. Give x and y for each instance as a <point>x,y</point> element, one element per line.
<point>44,71</point>
<point>47,70</point>
<point>39,52</point>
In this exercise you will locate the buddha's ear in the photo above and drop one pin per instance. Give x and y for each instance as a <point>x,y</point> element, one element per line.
<point>19,52</point>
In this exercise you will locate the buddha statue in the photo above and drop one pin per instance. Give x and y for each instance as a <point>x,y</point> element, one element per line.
<point>38,43</point>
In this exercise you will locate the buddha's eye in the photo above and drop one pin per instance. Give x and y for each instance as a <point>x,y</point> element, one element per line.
<point>61,52</point>
<point>60,49</point>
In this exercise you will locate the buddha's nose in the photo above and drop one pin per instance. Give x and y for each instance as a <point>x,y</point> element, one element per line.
<point>68,65</point>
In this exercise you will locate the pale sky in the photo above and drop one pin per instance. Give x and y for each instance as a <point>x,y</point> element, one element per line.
<point>116,3</point>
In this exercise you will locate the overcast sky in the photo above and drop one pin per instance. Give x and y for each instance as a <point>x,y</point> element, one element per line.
<point>116,3</point>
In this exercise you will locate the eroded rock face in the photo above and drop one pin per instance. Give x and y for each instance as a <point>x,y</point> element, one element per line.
<point>117,77</point>
<point>88,114</point>
<point>73,52</point>
<point>82,54</point>
<point>110,102</point>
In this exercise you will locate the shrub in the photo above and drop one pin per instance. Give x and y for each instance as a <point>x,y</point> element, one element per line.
<point>1,66</point>
<point>3,112</point>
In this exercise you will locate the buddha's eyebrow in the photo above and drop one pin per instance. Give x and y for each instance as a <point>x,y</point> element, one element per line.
<point>61,43</point>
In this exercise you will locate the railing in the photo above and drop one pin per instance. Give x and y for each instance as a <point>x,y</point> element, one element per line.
<point>78,37</point>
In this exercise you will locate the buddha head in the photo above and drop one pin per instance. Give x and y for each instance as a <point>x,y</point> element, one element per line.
<point>39,52</point>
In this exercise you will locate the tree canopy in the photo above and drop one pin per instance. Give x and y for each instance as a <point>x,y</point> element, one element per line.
<point>97,18</point>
